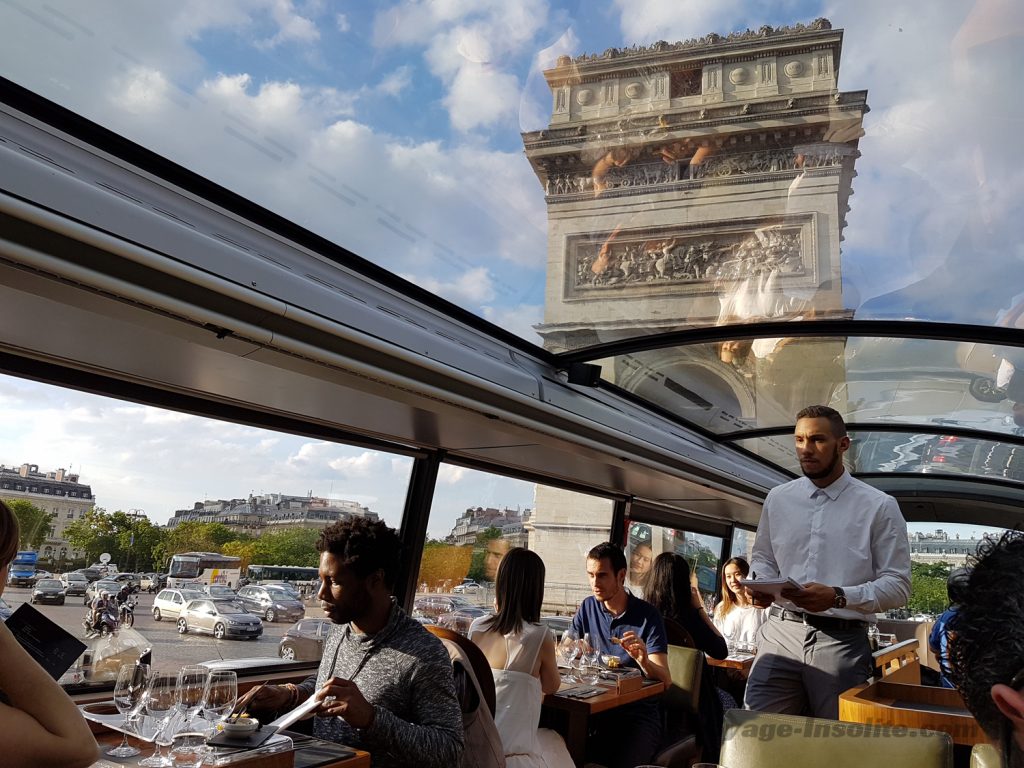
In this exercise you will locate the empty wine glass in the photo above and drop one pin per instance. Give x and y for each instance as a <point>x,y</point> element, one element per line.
<point>188,695</point>
<point>220,695</point>
<point>159,705</point>
<point>128,691</point>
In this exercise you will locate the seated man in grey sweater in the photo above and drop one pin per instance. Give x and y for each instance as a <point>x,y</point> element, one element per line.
<point>384,683</point>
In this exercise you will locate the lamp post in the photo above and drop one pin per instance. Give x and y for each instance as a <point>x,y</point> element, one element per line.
<point>135,513</point>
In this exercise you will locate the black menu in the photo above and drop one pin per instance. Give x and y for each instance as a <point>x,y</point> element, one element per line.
<point>49,644</point>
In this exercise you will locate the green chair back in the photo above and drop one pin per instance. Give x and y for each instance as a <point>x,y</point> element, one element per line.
<point>757,740</point>
<point>686,665</point>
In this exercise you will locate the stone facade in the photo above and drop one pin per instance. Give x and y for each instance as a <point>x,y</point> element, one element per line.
<point>256,515</point>
<point>699,183</point>
<point>58,492</point>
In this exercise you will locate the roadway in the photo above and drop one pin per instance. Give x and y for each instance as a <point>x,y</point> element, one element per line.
<point>169,648</point>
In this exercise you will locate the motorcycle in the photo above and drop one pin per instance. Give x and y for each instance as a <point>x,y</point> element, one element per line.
<point>126,613</point>
<point>106,624</point>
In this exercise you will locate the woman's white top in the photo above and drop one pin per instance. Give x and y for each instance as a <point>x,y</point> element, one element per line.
<point>741,624</point>
<point>519,697</point>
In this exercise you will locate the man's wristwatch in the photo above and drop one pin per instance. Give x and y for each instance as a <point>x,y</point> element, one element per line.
<point>840,601</point>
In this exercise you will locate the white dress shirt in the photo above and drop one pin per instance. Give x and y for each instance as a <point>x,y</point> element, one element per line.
<point>847,535</point>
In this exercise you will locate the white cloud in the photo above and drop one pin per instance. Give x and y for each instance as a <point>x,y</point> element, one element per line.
<point>396,81</point>
<point>342,23</point>
<point>292,26</point>
<point>449,474</point>
<point>472,288</point>
<point>480,97</point>
<point>141,90</point>
<point>644,21</point>
<point>518,320</point>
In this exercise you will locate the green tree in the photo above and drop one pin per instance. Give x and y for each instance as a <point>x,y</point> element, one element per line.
<point>928,587</point>
<point>34,523</point>
<point>478,563</point>
<point>137,542</point>
<point>292,546</point>
<point>93,533</point>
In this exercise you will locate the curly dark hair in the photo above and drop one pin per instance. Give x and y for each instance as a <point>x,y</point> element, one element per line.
<point>986,636</point>
<point>364,546</point>
<point>835,420</point>
<point>616,557</point>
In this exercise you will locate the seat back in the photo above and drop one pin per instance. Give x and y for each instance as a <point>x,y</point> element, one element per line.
<point>985,756</point>
<point>685,665</point>
<point>755,740</point>
<point>676,634</point>
<point>477,660</point>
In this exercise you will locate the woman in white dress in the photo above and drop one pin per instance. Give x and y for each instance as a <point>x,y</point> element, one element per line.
<point>735,616</point>
<point>521,653</point>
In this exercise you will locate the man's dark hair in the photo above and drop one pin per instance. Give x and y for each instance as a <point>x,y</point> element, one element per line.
<point>518,591</point>
<point>615,555</point>
<point>824,412</point>
<point>364,546</point>
<point>986,636</point>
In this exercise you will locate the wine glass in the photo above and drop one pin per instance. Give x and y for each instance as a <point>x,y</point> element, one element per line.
<point>220,695</point>
<point>188,695</point>
<point>159,705</point>
<point>128,692</point>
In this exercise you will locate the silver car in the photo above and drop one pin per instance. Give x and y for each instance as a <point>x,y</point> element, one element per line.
<point>170,602</point>
<point>272,603</point>
<point>220,618</point>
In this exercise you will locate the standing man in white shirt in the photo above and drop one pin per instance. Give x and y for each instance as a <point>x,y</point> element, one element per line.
<point>846,543</point>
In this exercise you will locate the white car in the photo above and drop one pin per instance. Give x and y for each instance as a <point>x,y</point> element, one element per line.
<point>467,587</point>
<point>169,603</point>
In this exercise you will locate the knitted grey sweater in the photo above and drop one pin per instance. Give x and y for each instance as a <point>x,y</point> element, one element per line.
<point>406,674</point>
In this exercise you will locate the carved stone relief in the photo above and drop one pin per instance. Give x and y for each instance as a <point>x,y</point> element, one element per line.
<point>584,96</point>
<point>794,68</point>
<point>738,76</point>
<point>679,258</point>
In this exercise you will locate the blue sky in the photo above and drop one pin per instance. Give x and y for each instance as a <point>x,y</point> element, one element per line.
<point>393,128</point>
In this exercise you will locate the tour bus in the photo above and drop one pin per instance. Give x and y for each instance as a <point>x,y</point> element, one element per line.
<point>204,568</point>
<point>297,289</point>
<point>293,574</point>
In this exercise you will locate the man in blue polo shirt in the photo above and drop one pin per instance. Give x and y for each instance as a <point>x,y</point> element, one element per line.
<point>628,735</point>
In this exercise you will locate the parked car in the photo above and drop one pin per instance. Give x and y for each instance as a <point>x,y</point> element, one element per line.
<point>128,578</point>
<point>557,624</point>
<point>271,603</point>
<point>41,574</point>
<point>220,618</point>
<point>98,587</point>
<point>48,591</point>
<point>467,587</point>
<point>170,602</point>
<point>432,606</point>
<point>74,583</point>
<point>304,640</point>
<point>219,591</point>
<point>460,619</point>
<point>291,589</point>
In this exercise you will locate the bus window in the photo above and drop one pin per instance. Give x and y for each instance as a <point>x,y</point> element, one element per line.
<point>702,553</point>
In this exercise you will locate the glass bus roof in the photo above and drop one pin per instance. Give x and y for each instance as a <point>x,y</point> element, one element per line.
<point>733,212</point>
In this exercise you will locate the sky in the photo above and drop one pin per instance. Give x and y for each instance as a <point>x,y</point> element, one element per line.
<point>394,129</point>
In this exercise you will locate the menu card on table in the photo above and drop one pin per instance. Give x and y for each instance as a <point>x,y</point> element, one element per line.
<point>54,648</point>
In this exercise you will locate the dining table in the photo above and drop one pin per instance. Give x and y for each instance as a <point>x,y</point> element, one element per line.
<point>740,661</point>
<point>576,712</point>
<point>106,738</point>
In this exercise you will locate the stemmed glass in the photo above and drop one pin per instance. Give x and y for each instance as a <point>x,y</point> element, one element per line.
<point>220,695</point>
<point>566,652</point>
<point>188,695</point>
<point>159,705</point>
<point>128,691</point>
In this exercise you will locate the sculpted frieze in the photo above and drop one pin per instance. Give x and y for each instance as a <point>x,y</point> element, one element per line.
<point>677,258</point>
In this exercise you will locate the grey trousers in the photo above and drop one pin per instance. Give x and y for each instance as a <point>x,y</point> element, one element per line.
<point>800,670</point>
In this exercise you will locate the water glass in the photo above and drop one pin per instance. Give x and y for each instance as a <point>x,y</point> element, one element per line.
<point>189,750</point>
<point>159,705</point>
<point>128,692</point>
<point>220,695</point>
<point>189,692</point>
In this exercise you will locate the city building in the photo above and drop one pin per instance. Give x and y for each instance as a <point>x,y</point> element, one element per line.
<point>940,547</point>
<point>58,492</point>
<point>273,511</point>
<point>476,520</point>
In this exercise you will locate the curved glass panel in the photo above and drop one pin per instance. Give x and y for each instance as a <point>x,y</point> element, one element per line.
<point>705,180</point>
<point>737,385</point>
<point>873,452</point>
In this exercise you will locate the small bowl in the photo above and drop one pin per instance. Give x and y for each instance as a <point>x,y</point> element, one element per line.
<point>611,661</point>
<point>240,726</point>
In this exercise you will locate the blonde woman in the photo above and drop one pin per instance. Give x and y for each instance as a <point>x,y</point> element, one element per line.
<point>39,725</point>
<point>735,616</point>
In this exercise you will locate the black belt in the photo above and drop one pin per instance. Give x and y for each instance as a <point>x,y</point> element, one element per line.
<point>814,620</point>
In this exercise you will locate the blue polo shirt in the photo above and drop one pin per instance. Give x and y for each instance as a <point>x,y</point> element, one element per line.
<point>640,617</point>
